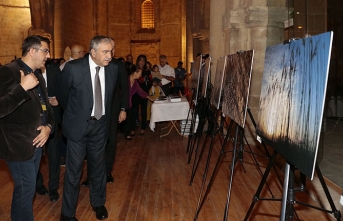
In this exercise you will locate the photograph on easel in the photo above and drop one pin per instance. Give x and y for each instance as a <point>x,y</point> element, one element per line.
<point>292,98</point>
<point>237,85</point>
<point>218,83</point>
<point>196,76</point>
<point>206,74</point>
<point>195,69</point>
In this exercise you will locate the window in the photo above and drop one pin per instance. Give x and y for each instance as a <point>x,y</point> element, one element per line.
<point>148,15</point>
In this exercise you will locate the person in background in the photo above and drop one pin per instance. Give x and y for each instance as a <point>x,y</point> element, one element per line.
<point>121,59</point>
<point>168,75</point>
<point>154,92</point>
<point>128,63</point>
<point>180,76</point>
<point>148,66</point>
<point>26,120</point>
<point>61,61</point>
<point>86,90</point>
<point>133,88</point>
<point>145,83</point>
<point>51,73</point>
<point>77,52</point>
<point>155,73</point>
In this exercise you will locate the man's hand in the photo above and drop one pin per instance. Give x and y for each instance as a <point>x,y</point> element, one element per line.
<point>41,139</point>
<point>28,81</point>
<point>53,101</point>
<point>122,116</point>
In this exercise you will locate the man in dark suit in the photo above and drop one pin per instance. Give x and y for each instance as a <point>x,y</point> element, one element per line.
<point>119,106</point>
<point>26,120</point>
<point>51,73</point>
<point>87,88</point>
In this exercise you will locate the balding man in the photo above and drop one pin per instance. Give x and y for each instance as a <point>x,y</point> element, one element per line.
<point>77,51</point>
<point>168,75</point>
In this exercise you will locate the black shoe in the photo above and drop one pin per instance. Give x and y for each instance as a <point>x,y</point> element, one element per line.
<point>62,161</point>
<point>109,178</point>
<point>128,137</point>
<point>100,212</point>
<point>53,195</point>
<point>67,218</point>
<point>86,182</point>
<point>42,190</point>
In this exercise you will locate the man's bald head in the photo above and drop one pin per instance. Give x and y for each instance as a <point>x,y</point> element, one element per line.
<point>77,51</point>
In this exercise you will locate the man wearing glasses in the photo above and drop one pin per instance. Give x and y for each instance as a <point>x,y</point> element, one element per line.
<point>26,120</point>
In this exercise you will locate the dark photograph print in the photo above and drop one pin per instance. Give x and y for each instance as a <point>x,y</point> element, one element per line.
<point>195,69</point>
<point>218,82</point>
<point>206,79</point>
<point>292,98</point>
<point>237,85</point>
<point>196,72</point>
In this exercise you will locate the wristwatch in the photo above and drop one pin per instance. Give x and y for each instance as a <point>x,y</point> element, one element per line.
<point>49,125</point>
<point>123,109</point>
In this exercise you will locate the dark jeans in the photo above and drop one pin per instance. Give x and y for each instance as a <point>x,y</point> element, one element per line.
<point>24,176</point>
<point>53,161</point>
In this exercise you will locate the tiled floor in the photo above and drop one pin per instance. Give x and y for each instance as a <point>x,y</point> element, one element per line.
<point>332,163</point>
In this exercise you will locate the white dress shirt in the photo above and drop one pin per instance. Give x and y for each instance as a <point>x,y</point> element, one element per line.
<point>166,70</point>
<point>92,67</point>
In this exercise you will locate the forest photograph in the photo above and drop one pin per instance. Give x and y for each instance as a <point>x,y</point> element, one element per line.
<point>292,98</point>
<point>237,85</point>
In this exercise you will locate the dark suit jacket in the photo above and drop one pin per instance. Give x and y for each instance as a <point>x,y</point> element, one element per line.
<point>76,96</point>
<point>53,72</point>
<point>121,97</point>
<point>20,114</point>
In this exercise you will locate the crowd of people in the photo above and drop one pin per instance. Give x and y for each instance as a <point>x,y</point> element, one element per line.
<point>84,100</point>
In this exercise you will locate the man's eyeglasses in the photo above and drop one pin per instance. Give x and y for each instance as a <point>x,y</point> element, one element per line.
<point>46,51</point>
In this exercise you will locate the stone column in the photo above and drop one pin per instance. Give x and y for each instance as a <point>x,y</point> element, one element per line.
<point>189,36</point>
<point>216,35</point>
<point>255,25</point>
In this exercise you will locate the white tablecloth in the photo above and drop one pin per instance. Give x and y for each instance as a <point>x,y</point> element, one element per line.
<point>168,111</point>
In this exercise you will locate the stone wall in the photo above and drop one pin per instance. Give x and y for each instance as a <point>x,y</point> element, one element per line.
<point>125,28</point>
<point>76,23</point>
<point>15,22</point>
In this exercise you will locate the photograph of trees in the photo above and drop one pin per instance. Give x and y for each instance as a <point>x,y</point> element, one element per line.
<point>237,85</point>
<point>292,98</point>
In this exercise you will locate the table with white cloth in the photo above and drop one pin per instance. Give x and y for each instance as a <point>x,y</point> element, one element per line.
<point>169,111</point>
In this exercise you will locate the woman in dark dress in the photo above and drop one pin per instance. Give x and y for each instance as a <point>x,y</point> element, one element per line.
<point>145,84</point>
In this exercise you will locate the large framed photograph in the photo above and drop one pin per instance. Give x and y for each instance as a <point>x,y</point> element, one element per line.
<point>237,86</point>
<point>206,76</point>
<point>292,98</point>
<point>218,83</point>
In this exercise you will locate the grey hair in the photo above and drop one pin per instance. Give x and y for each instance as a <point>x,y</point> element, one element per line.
<point>96,40</point>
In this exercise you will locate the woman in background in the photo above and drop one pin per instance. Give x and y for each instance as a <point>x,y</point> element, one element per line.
<point>145,84</point>
<point>134,88</point>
